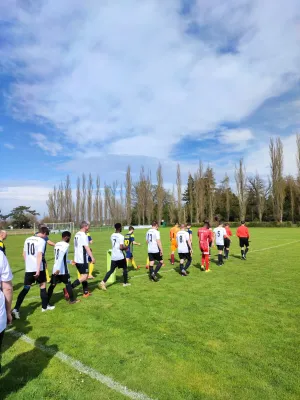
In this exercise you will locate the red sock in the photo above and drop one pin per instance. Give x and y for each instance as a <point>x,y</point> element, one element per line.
<point>203,259</point>
<point>207,261</point>
<point>172,258</point>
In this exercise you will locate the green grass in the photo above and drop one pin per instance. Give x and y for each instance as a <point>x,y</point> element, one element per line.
<point>231,334</point>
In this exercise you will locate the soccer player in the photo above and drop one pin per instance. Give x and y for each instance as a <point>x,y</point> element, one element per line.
<point>60,273</point>
<point>184,249</point>
<point>190,232</point>
<point>219,236</point>
<point>48,241</point>
<point>173,233</point>
<point>155,251</point>
<point>227,240</point>
<point>81,253</point>
<point>34,248</point>
<point>118,259</point>
<point>6,292</point>
<point>243,234</point>
<point>129,242</point>
<point>3,236</point>
<point>91,264</point>
<point>205,238</point>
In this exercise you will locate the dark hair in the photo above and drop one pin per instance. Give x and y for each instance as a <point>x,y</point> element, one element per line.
<point>188,224</point>
<point>118,226</point>
<point>66,234</point>
<point>131,228</point>
<point>226,224</point>
<point>206,223</point>
<point>154,223</point>
<point>221,222</point>
<point>44,230</point>
<point>243,222</point>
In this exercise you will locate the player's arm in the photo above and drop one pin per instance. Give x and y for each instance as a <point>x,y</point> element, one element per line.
<point>24,255</point>
<point>158,241</point>
<point>50,243</point>
<point>190,245</point>
<point>39,259</point>
<point>136,243</point>
<point>89,252</point>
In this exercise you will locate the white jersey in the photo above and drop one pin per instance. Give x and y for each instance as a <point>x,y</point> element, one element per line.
<point>80,241</point>
<point>5,276</point>
<point>32,246</point>
<point>152,237</point>
<point>61,250</point>
<point>220,232</point>
<point>116,240</point>
<point>182,238</point>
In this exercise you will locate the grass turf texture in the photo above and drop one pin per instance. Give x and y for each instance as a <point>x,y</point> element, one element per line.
<point>230,334</point>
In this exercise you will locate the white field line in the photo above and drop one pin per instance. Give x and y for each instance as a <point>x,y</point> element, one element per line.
<point>274,247</point>
<point>84,369</point>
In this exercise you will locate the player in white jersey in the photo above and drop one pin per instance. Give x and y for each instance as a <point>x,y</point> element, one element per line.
<point>118,259</point>
<point>155,251</point>
<point>184,249</point>
<point>34,248</point>
<point>219,236</point>
<point>81,253</point>
<point>60,272</point>
<point>6,291</point>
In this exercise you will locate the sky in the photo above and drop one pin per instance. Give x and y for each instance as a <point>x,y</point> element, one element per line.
<point>94,86</point>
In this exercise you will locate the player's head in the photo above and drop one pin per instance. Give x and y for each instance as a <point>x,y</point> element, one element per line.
<point>154,224</point>
<point>182,226</point>
<point>226,224</point>
<point>206,224</point>
<point>66,236</point>
<point>176,224</point>
<point>3,235</point>
<point>188,225</point>
<point>243,222</point>
<point>84,226</point>
<point>118,227</point>
<point>43,231</point>
<point>131,229</point>
<point>221,223</point>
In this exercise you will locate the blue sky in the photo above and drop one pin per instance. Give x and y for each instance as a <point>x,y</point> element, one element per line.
<point>94,88</point>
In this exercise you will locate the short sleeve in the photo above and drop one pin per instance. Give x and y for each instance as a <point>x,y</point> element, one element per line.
<point>85,240</point>
<point>5,271</point>
<point>121,239</point>
<point>41,246</point>
<point>157,235</point>
<point>24,248</point>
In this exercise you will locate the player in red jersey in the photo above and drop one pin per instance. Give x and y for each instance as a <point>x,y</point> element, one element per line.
<point>243,234</point>
<point>227,240</point>
<point>205,237</point>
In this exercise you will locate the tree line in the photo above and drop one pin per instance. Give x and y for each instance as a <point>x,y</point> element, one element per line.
<point>256,198</point>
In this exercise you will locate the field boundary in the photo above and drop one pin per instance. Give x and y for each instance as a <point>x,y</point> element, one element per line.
<point>84,369</point>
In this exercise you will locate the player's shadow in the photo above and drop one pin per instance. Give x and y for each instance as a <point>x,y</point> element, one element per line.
<point>26,367</point>
<point>10,339</point>
<point>18,286</point>
<point>235,256</point>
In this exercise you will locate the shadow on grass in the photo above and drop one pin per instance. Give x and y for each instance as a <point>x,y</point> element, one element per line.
<point>26,366</point>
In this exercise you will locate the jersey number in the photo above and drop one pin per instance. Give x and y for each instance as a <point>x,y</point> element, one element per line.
<point>150,237</point>
<point>114,242</point>
<point>30,249</point>
<point>76,241</point>
<point>180,239</point>
<point>56,254</point>
<point>219,233</point>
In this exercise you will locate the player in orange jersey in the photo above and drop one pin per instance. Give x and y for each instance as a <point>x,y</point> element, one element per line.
<point>173,233</point>
<point>227,240</point>
<point>205,236</point>
<point>243,234</point>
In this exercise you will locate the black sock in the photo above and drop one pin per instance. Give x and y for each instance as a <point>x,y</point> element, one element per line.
<point>151,269</point>
<point>85,287</point>
<point>76,283</point>
<point>227,253</point>
<point>44,298</point>
<point>219,259</point>
<point>158,268</point>
<point>188,263</point>
<point>246,251</point>
<point>50,292</point>
<point>69,290</point>
<point>125,275</point>
<point>181,267</point>
<point>21,297</point>
<point>243,253</point>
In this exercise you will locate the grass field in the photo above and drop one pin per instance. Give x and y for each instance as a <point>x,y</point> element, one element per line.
<point>230,334</point>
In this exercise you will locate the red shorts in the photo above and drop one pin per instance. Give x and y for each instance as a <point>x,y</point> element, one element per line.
<point>204,248</point>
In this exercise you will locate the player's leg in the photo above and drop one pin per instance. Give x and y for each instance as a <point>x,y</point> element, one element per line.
<point>133,263</point>
<point>246,247</point>
<point>220,255</point>
<point>51,287</point>
<point>158,265</point>
<point>202,259</point>
<point>113,266</point>
<point>91,270</point>
<point>125,273</point>
<point>147,263</point>
<point>28,281</point>
<point>207,262</point>
<point>188,261</point>
<point>181,265</point>
<point>242,248</point>
<point>152,275</point>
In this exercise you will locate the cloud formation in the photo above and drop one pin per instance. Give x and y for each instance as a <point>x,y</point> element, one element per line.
<point>49,146</point>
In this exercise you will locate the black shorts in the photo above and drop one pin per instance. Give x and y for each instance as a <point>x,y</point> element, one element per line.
<point>210,244</point>
<point>220,246</point>
<point>55,279</point>
<point>29,278</point>
<point>227,243</point>
<point>118,264</point>
<point>83,269</point>
<point>155,257</point>
<point>244,242</point>
<point>185,256</point>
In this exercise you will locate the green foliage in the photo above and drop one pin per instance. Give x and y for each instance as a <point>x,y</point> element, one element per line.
<point>22,217</point>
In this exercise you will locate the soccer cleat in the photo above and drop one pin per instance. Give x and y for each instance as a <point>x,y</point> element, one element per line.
<point>147,266</point>
<point>183,272</point>
<point>15,314</point>
<point>44,309</point>
<point>88,294</point>
<point>102,285</point>
<point>74,301</point>
<point>208,270</point>
<point>202,268</point>
<point>50,307</point>
<point>126,284</point>
<point>66,294</point>
<point>154,277</point>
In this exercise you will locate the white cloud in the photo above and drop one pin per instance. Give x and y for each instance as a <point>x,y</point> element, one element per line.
<point>9,146</point>
<point>118,70</point>
<point>43,143</point>
<point>235,139</point>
